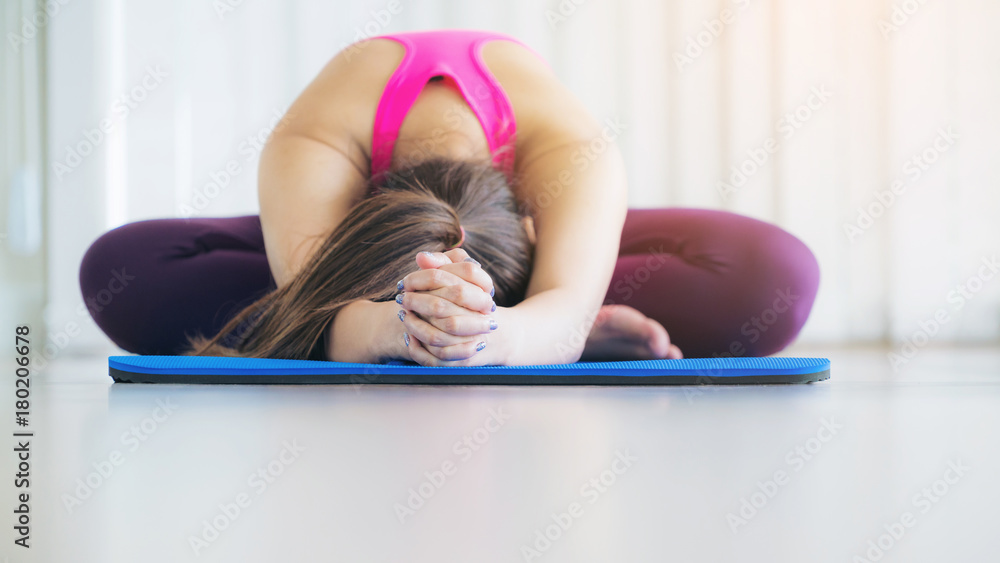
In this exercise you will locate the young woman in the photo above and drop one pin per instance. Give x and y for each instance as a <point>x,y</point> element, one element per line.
<point>439,197</point>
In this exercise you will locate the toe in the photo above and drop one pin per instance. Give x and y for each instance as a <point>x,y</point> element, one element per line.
<point>675,353</point>
<point>656,339</point>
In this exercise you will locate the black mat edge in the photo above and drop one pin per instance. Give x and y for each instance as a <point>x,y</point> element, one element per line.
<point>121,376</point>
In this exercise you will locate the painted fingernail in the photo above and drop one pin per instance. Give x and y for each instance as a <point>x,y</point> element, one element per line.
<point>399,285</point>
<point>401,314</point>
<point>480,346</point>
<point>473,260</point>
<point>493,291</point>
<point>406,338</point>
<point>428,254</point>
<point>494,308</point>
<point>399,298</point>
<point>493,324</point>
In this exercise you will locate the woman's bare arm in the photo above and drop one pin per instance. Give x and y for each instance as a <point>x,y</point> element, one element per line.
<point>306,189</point>
<point>578,236</point>
<point>573,177</point>
<point>313,168</point>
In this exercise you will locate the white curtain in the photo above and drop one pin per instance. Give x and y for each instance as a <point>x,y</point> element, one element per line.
<point>22,252</point>
<point>798,112</point>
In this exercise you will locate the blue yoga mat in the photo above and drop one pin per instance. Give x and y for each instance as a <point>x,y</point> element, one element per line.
<point>694,371</point>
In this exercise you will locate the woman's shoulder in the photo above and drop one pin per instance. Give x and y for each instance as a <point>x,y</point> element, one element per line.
<point>548,113</point>
<point>338,105</point>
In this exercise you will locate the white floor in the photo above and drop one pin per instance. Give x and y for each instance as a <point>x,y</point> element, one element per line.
<point>804,473</point>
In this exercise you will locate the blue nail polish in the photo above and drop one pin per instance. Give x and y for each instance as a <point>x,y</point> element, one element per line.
<point>401,314</point>
<point>399,298</point>
<point>473,260</point>
<point>406,338</point>
<point>480,346</point>
<point>494,308</point>
<point>428,254</point>
<point>493,291</point>
<point>493,324</point>
<point>399,285</point>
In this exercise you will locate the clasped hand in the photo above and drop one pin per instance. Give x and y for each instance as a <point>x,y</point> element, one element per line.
<point>448,310</point>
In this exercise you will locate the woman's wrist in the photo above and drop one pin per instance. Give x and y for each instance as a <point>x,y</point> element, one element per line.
<point>550,328</point>
<point>370,332</point>
<point>505,343</point>
<point>357,333</point>
<point>386,338</point>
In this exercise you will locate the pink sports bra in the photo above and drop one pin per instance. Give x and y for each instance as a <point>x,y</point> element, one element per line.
<point>456,54</point>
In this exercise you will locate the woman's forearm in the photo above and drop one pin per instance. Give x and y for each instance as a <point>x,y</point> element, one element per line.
<point>552,328</point>
<point>578,236</point>
<point>363,331</point>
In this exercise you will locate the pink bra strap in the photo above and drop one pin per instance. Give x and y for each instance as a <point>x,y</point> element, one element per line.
<point>456,54</point>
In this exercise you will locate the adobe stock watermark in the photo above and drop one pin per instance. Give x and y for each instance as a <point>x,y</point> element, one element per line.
<point>580,160</point>
<point>58,340</point>
<point>104,469</point>
<point>258,481</point>
<point>899,16</point>
<point>437,478</point>
<point>31,26</point>
<point>757,325</point>
<point>795,459</point>
<point>428,146</point>
<point>958,297</point>
<point>625,288</point>
<point>591,491</point>
<point>379,20</point>
<point>927,498</point>
<point>785,127</point>
<point>914,168</point>
<point>250,149</point>
<point>121,108</point>
<point>565,9</point>
<point>633,281</point>
<point>225,7</point>
<point>752,329</point>
<point>371,374</point>
<point>571,349</point>
<point>244,330</point>
<point>697,44</point>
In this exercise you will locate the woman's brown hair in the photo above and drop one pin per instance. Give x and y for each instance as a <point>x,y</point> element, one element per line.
<point>416,208</point>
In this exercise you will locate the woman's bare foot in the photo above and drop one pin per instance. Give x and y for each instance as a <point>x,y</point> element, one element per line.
<point>623,333</point>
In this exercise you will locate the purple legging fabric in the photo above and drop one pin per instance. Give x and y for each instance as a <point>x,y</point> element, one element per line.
<point>721,284</point>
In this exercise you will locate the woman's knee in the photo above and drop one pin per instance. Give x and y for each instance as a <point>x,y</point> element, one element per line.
<point>780,280</point>
<point>108,276</point>
<point>104,269</point>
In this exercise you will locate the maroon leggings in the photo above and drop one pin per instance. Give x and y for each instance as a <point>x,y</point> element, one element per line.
<point>721,284</point>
